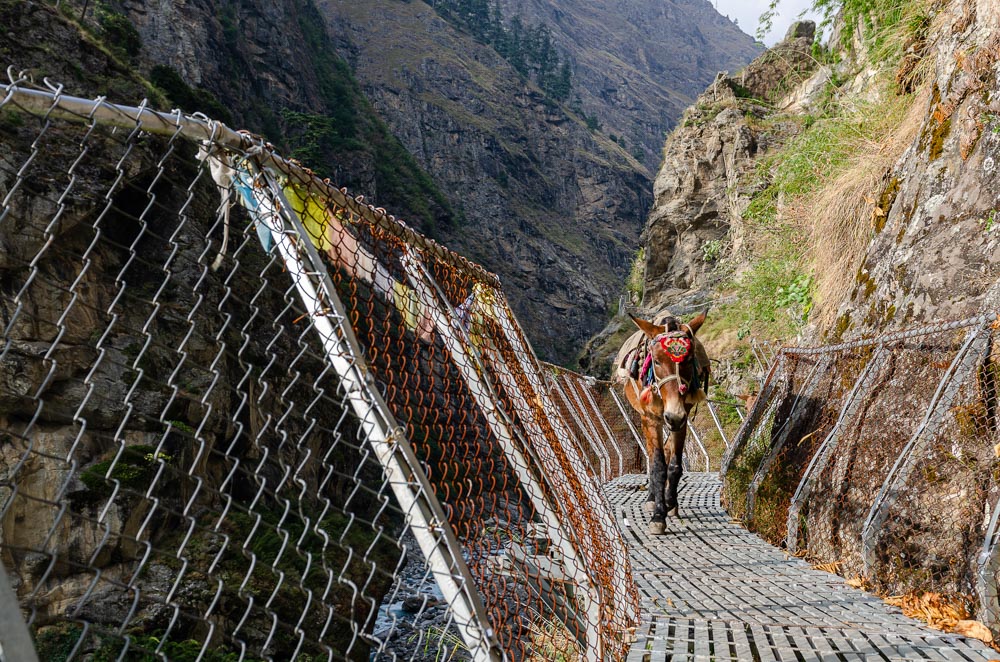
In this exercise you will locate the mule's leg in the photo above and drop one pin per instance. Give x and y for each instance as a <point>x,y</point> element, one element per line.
<point>653,447</point>
<point>675,470</point>
<point>657,473</point>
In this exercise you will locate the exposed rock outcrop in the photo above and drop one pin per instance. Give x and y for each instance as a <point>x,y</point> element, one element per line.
<point>699,196</point>
<point>934,254</point>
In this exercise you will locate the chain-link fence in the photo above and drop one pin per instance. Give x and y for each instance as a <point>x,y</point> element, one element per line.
<point>879,457</point>
<point>606,428</point>
<point>609,430</point>
<point>247,416</point>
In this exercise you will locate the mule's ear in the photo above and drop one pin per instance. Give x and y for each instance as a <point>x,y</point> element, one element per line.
<point>696,323</point>
<point>650,329</point>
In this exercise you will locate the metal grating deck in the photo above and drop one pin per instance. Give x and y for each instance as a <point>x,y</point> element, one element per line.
<point>711,590</point>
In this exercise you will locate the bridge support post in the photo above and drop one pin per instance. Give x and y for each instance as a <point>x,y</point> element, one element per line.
<point>631,426</point>
<point>607,431</point>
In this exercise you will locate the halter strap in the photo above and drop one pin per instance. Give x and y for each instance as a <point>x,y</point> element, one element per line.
<point>660,383</point>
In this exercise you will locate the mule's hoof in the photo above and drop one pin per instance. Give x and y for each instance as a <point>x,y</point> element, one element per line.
<point>657,528</point>
<point>676,512</point>
<point>649,507</point>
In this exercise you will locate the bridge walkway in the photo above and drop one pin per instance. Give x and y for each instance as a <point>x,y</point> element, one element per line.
<point>711,590</point>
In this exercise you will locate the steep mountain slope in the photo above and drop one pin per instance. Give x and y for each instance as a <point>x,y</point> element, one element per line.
<point>549,203</point>
<point>394,102</point>
<point>553,208</point>
<point>273,69</point>
<point>637,65</point>
<point>848,194</point>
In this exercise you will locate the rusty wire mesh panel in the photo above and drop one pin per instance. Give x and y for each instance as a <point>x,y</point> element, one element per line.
<point>600,547</point>
<point>815,400</point>
<point>506,533</point>
<point>898,394</point>
<point>180,475</point>
<point>608,429</point>
<point>210,459</point>
<point>626,433</point>
<point>929,523</point>
<point>565,397</point>
<point>890,447</point>
<point>580,393</point>
<point>754,438</point>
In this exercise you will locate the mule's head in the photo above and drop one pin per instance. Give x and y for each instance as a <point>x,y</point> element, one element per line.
<point>677,375</point>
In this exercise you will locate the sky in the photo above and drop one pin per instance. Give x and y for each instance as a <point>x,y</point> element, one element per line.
<point>746,12</point>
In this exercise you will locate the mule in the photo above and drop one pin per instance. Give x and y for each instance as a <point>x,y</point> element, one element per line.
<point>665,370</point>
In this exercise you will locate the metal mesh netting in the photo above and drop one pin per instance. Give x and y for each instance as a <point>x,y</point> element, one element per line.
<point>607,430</point>
<point>246,416</point>
<point>880,458</point>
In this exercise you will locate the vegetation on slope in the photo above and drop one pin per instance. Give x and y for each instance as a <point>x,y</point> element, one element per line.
<point>528,48</point>
<point>817,200</point>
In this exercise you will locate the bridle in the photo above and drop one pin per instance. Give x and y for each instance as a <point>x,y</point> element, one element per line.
<point>679,346</point>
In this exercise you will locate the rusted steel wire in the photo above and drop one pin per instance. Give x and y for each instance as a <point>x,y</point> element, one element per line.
<point>880,455</point>
<point>273,421</point>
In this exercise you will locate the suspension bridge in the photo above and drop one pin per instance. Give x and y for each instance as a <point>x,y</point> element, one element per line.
<point>249,416</point>
<point>712,590</point>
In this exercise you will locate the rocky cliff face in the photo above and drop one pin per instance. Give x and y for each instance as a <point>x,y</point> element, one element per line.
<point>550,206</point>
<point>922,243</point>
<point>694,236</point>
<point>272,68</point>
<point>933,254</point>
<point>638,65</point>
<point>701,189</point>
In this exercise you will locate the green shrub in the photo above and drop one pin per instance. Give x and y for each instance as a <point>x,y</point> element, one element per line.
<point>134,469</point>
<point>117,31</point>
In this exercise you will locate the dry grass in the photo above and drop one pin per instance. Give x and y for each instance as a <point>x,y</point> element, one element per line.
<point>843,216</point>
<point>833,566</point>
<point>551,641</point>
<point>949,613</point>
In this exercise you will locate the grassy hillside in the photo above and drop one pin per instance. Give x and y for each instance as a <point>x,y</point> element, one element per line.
<point>816,201</point>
